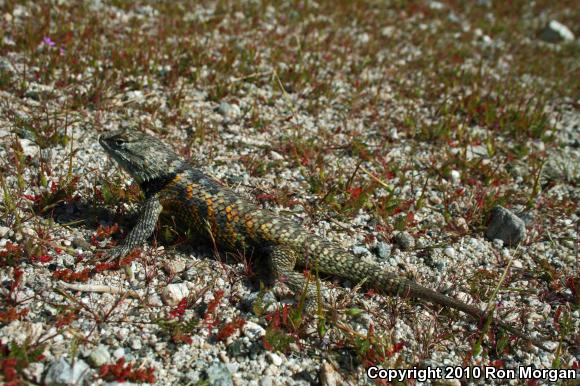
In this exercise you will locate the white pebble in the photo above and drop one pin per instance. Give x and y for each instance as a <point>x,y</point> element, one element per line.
<point>274,358</point>
<point>136,344</point>
<point>119,353</point>
<point>449,252</point>
<point>253,330</point>
<point>455,177</point>
<point>173,293</point>
<point>4,231</point>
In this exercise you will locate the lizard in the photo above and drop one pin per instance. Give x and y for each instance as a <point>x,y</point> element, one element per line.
<point>212,210</point>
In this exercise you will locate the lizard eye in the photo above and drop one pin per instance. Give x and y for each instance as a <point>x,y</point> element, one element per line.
<point>119,141</point>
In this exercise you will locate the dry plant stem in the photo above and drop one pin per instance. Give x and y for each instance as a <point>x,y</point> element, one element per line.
<point>99,289</point>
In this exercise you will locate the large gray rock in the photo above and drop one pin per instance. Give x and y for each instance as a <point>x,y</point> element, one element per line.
<point>99,356</point>
<point>61,373</point>
<point>383,250</point>
<point>556,32</point>
<point>218,374</point>
<point>229,110</point>
<point>505,226</point>
<point>405,241</point>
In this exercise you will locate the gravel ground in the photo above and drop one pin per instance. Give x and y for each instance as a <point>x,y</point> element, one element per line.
<point>438,139</point>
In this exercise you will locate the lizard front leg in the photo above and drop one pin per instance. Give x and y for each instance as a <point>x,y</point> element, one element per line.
<point>144,228</point>
<point>283,261</point>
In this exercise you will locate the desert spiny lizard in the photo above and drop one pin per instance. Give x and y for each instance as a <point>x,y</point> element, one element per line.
<point>209,208</point>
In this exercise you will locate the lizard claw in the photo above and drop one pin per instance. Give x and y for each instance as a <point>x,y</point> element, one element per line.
<point>116,253</point>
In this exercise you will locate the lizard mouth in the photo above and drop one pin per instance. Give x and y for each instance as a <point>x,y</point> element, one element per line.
<point>103,141</point>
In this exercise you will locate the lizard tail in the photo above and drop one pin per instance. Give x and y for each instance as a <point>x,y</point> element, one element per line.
<point>344,264</point>
<point>391,284</point>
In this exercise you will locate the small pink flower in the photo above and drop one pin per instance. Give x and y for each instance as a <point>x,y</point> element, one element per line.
<point>48,41</point>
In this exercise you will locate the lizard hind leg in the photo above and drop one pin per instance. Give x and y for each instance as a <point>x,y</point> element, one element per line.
<point>283,261</point>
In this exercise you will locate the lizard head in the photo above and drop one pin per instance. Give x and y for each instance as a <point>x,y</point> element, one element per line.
<point>144,157</point>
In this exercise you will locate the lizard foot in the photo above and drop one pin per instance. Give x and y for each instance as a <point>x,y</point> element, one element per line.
<point>116,253</point>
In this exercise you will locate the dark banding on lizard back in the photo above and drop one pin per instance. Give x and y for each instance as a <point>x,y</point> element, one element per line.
<point>157,184</point>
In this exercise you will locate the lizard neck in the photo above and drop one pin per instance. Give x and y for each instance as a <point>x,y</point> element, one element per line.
<point>153,185</point>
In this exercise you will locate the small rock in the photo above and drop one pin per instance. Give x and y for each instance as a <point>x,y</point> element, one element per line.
<point>233,367</point>
<point>360,250</point>
<point>569,258</point>
<point>435,199</point>
<point>439,265</point>
<point>256,299</point>
<point>29,148</point>
<point>405,241</point>
<point>267,381</point>
<point>461,224</point>
<point>505,253</point>
<point>497,243</point>
<point>486,40</point>
<point>362,322</point>
<point>34,372</point>
<point>274,358</point>
<point>218,374</point>
<point>228,110</point>
<point>135,96</point>
<point>32,94</point>
<point>4,231</point>
<point>23,331</point>
<point>306,376</point>
<point>171,267</point>
<point>238,348</point>
<point>159,347</point>
<point>253,331</point>
<point>506,226</point>
<point>388,31</point>
<point>81,243</point>
<point>527,217</point>
<point>383,250</point>
<point>449,252</point>
<point>154,300</point>
<point>122,333</point>
<point>329,376</point>
<point>452,17</point>
<point>61,373</point>
<point>436,5</point>
<point>276,156</point>
<point>136,344</point>
<point>173,293</point>
<point>99,356</point>
<point>223,357</point>
<point>556,32</point>
<point>455,177</point>
<point>119,353</point>
<point>68,261</point>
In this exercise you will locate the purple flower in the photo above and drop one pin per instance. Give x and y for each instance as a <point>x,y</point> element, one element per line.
<point>48,41</point>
